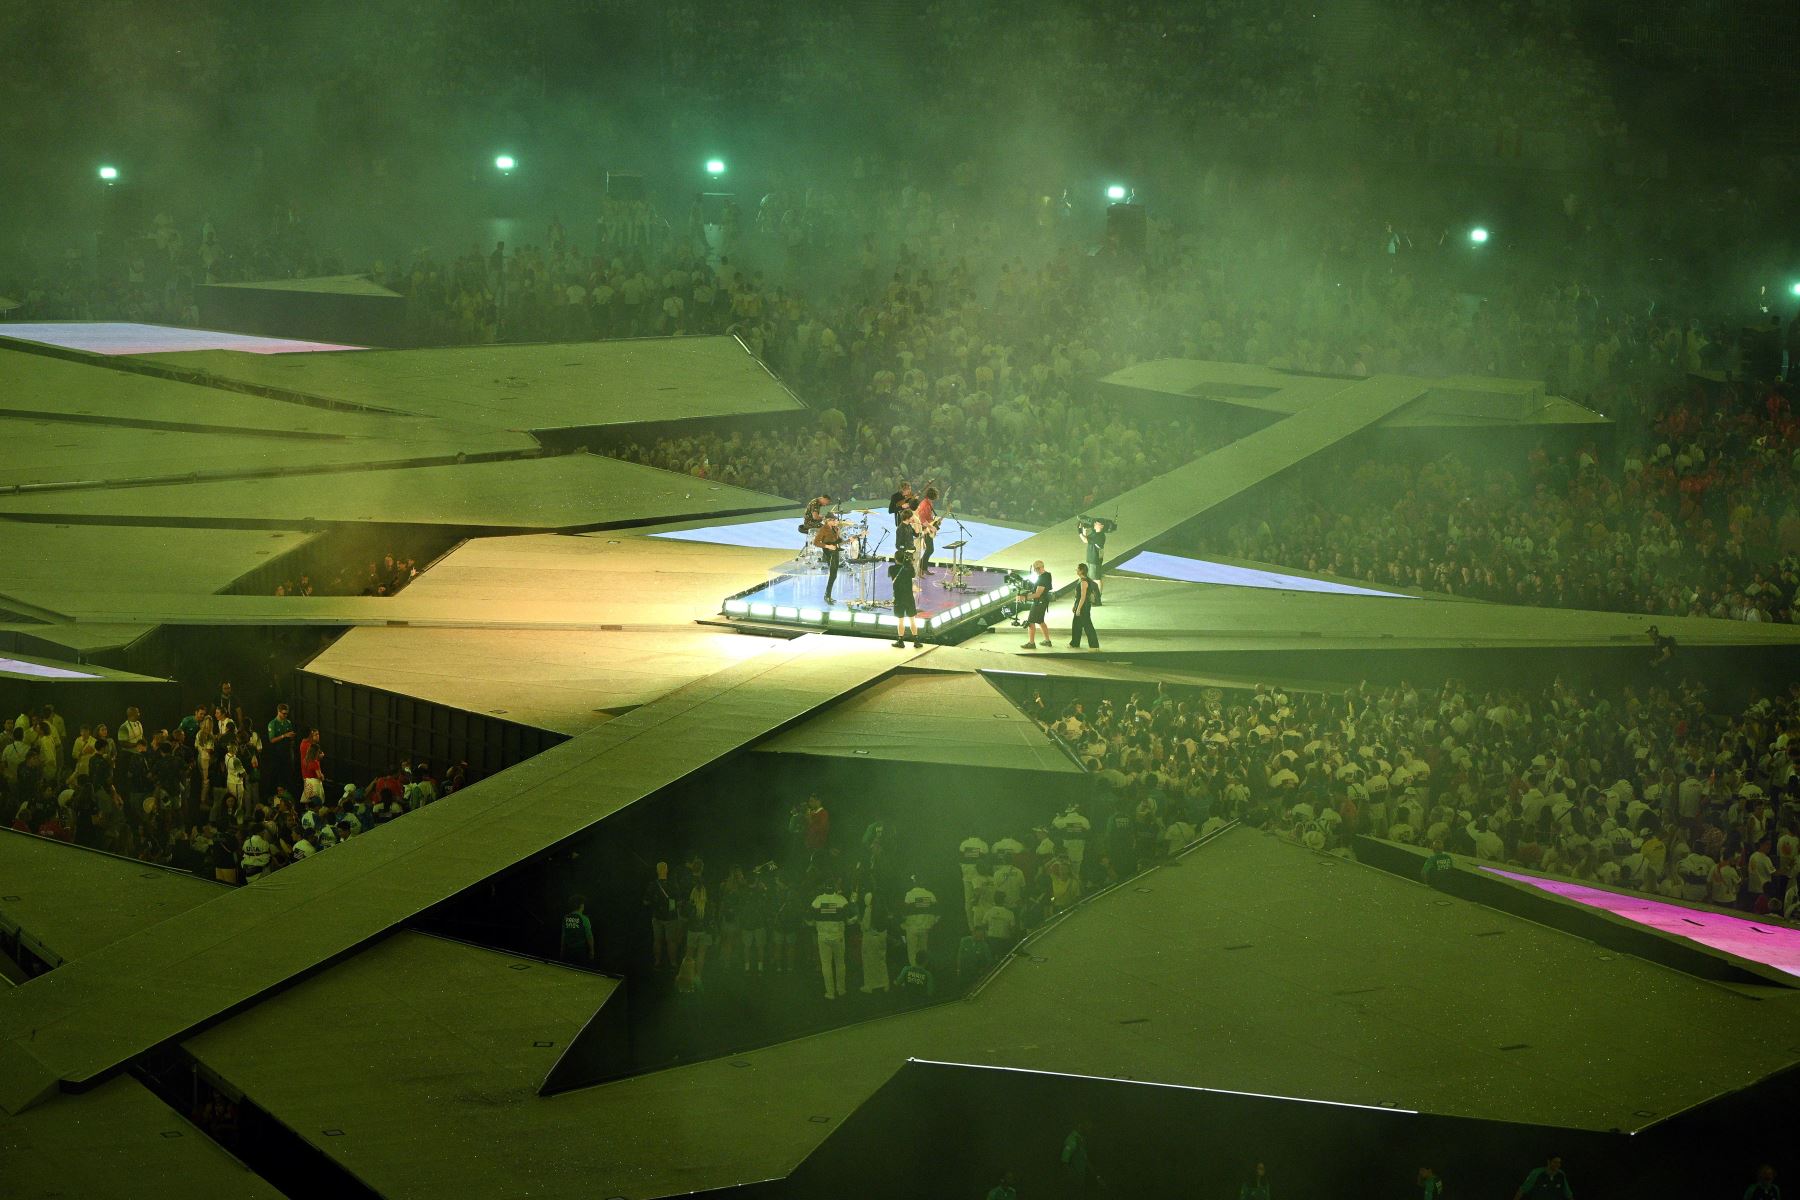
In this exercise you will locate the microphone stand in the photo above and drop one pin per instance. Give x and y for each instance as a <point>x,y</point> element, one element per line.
<point>959,570</point>
<point>865,571</point>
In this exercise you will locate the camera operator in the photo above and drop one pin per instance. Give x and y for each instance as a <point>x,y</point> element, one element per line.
<point>1093,536</point>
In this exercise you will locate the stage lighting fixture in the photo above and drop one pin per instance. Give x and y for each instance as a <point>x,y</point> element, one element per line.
<point>109,174</point>
<point>1794,287</point>
<point>1478,235</point>
<point>505,162</point>
<point>1117,193</point>
<point>715,167</point>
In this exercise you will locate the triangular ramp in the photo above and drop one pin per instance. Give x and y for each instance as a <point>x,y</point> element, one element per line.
<point>954,720</point>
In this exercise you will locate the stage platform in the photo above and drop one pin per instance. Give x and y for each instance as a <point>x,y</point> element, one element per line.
<point>552,492</point>
<point>544,387</point>
<point>1454,402</point>
<point>84,1020</point>
<point>1326,1002</point>
<point>65,902</point>
<point>1154,620</point>
<point>864,604</point>
<point>957,720</point>
<point>1339,408</point>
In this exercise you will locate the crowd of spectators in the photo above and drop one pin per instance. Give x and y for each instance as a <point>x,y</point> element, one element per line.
<point>1659,790</point>
<point>378,577</point>
<point>213,793</point>
<point>1700,519</point>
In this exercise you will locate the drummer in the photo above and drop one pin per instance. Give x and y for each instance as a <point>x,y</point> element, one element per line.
<point>830,541</point>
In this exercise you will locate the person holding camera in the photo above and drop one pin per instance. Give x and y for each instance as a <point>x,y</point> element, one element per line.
<point>1081,617</point>
<point>1093,536</point>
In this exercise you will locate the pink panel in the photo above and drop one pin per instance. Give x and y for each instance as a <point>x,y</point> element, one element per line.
<point>1772,945</point>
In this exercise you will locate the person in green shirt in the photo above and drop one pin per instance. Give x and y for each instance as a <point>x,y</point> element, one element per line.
<point>577,932</point>
<point>916,981</point>
<point>1430,1186</point>
<point>1004,1190</point>
<point>1437,865</point>
<point>1257,1186</point>
<point>281,748</point>
<point>1546,1182</point>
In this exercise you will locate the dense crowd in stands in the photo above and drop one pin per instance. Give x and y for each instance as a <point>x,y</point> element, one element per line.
<point>1703,520</point>
<point>1657,790</point>
<point>213,793</point>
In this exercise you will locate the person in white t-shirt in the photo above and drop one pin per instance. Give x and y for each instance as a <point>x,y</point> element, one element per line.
<point>1762,869</point>
<point>1695,871</point>
<point>1001,923</point>
<point>1726,880</point>
<point>830,911</point>
<point>1073,827</point>
<point>921,917</point>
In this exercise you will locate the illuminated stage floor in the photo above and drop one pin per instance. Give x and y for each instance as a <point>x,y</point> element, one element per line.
<point>798,597</point>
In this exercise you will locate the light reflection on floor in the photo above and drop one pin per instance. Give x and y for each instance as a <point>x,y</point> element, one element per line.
<point>124,337</point>
<point>1759,941</point>
<point>1200,570</point>
<point>35,670</point>
<point>986,542</point>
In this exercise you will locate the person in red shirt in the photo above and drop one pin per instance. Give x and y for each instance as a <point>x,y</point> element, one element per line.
<point>312,767</point>
<point>925,520</point>
<point>818,826</point>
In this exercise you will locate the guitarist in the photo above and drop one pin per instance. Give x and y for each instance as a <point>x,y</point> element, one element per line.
<point>925,523</point>
<point>829,538</point>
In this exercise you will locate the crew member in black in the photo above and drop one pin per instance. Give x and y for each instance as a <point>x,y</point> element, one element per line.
<point>1662,647</point>
<point>906,607</point>
<point>1039,597</point>
<point>1093,535</point>
<point>830,540</point>
<point>900,507</point>
<point>1081,617</point>
<point>903,498</point>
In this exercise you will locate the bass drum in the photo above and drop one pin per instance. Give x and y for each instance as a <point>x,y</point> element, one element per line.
<point>853,548</point>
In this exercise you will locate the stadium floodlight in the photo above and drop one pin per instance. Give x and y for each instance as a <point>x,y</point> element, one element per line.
<point>505,162</point>
<point>1478,235</point>
<point>1117,192</point>
<point>109,174</point>
<point>715,167</point>
<point>1794,287</point>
